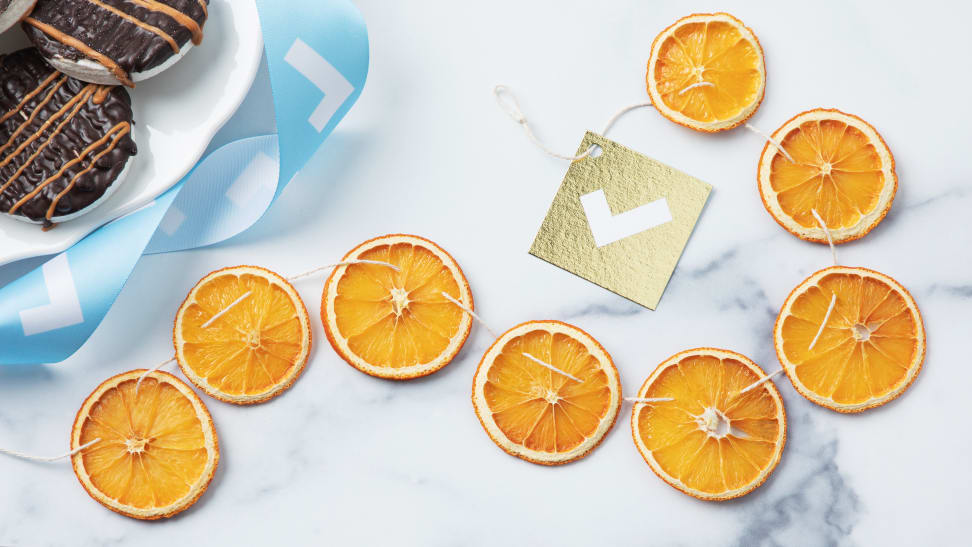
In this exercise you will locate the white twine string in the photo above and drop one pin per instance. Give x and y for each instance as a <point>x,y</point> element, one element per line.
<point>621,112</point>
<point>512,108</point>
<point>468,310</point>
<point>23,456</point>
<point>553,368</point>
<point>770,140</point>
<point>221,312</point>
<point>830,239</point>
<point>138,383</point>
<point>243,296</point>
<point>760,382</point>
<point>696,84</point>
<point>830,309</point>
<point>475,316</point>
<point>747,125</point>
<point>150,371</point>
<point>344,263</point>
<point>648,399</point>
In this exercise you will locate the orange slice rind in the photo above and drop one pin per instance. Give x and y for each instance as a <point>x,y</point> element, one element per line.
<point>242,335</point>
<point>156,451</point>
<point>712,441</point>
<point>841,168</point>
<point>871,348</point>
<point>536,414</point>
<point>396,323</point>
<point>706,72</point>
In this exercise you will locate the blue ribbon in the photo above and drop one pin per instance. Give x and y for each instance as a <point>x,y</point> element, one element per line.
<point>317,55</point>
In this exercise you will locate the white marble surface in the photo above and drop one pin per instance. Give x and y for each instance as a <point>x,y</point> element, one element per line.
<point>343,458</point>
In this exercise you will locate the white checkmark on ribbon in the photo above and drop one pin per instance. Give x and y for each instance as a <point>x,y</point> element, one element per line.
<point>607,228</point>
<point>322,74</point>
<point>64,307</point>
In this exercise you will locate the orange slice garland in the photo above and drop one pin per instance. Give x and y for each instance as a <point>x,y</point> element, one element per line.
<point>838,165</point>
<point>242,335</point>
<point>868,352</point>
<point>706,72</point>
<point>156,451</point>
<point>711,441</point>
<point>397,324</point>
<point>539,415</point>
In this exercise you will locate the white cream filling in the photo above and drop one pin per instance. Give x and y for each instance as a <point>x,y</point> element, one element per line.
<point>92,71</point>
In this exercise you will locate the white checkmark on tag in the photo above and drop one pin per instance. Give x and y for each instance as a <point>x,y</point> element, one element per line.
<point>607,228</point>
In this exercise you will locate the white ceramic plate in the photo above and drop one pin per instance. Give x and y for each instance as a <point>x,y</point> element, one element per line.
<point>177,113</point>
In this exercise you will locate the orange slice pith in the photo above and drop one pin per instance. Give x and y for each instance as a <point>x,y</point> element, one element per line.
<point>871,348</point>
<point>841,167</point>
<point>156,452</point>
<point>397,324</point>
<point>710,441</point>
<point>242,335</point>
<point>706,72</point>
<point>535,413</point>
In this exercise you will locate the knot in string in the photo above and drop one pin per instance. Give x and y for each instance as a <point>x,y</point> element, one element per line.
<point>509,105</point>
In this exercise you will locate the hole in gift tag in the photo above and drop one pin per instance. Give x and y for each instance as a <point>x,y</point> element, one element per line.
<point>596,151</point>
<point>621,222</point>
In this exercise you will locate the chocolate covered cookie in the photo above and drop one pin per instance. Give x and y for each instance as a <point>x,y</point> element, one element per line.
<point>115,41</point>
<point>66,144</point>
<point>12,11</point>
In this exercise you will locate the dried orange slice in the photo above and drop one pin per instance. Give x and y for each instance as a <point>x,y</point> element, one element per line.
<point>870,349</point>
<point>706,72</point>
<point>396,323</point>
<point>713,441</point>
<point>841,167</point>
<point>242,335</point>
<point>155,451</point>
<point>540,415</point>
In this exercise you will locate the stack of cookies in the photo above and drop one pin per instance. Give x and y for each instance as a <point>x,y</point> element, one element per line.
<point>65,114</point>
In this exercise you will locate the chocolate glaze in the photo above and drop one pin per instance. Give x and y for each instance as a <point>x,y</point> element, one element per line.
<point>136,35</point>
<point>64,141</point>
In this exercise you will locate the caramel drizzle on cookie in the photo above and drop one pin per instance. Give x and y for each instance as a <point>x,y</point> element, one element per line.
<point>119,131</point>
<point>76,103</point>
<point>68,40</point>
<point>97,93</point>
<point>138,23</point>
<point>153,5</point>
<point>33,115</point>
<point>31,95</point>
<point>183,19</point>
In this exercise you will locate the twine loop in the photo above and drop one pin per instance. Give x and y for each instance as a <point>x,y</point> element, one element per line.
<point>508,103</point>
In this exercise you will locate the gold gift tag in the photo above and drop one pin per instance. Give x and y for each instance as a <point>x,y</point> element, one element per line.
<point>621,220</point>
